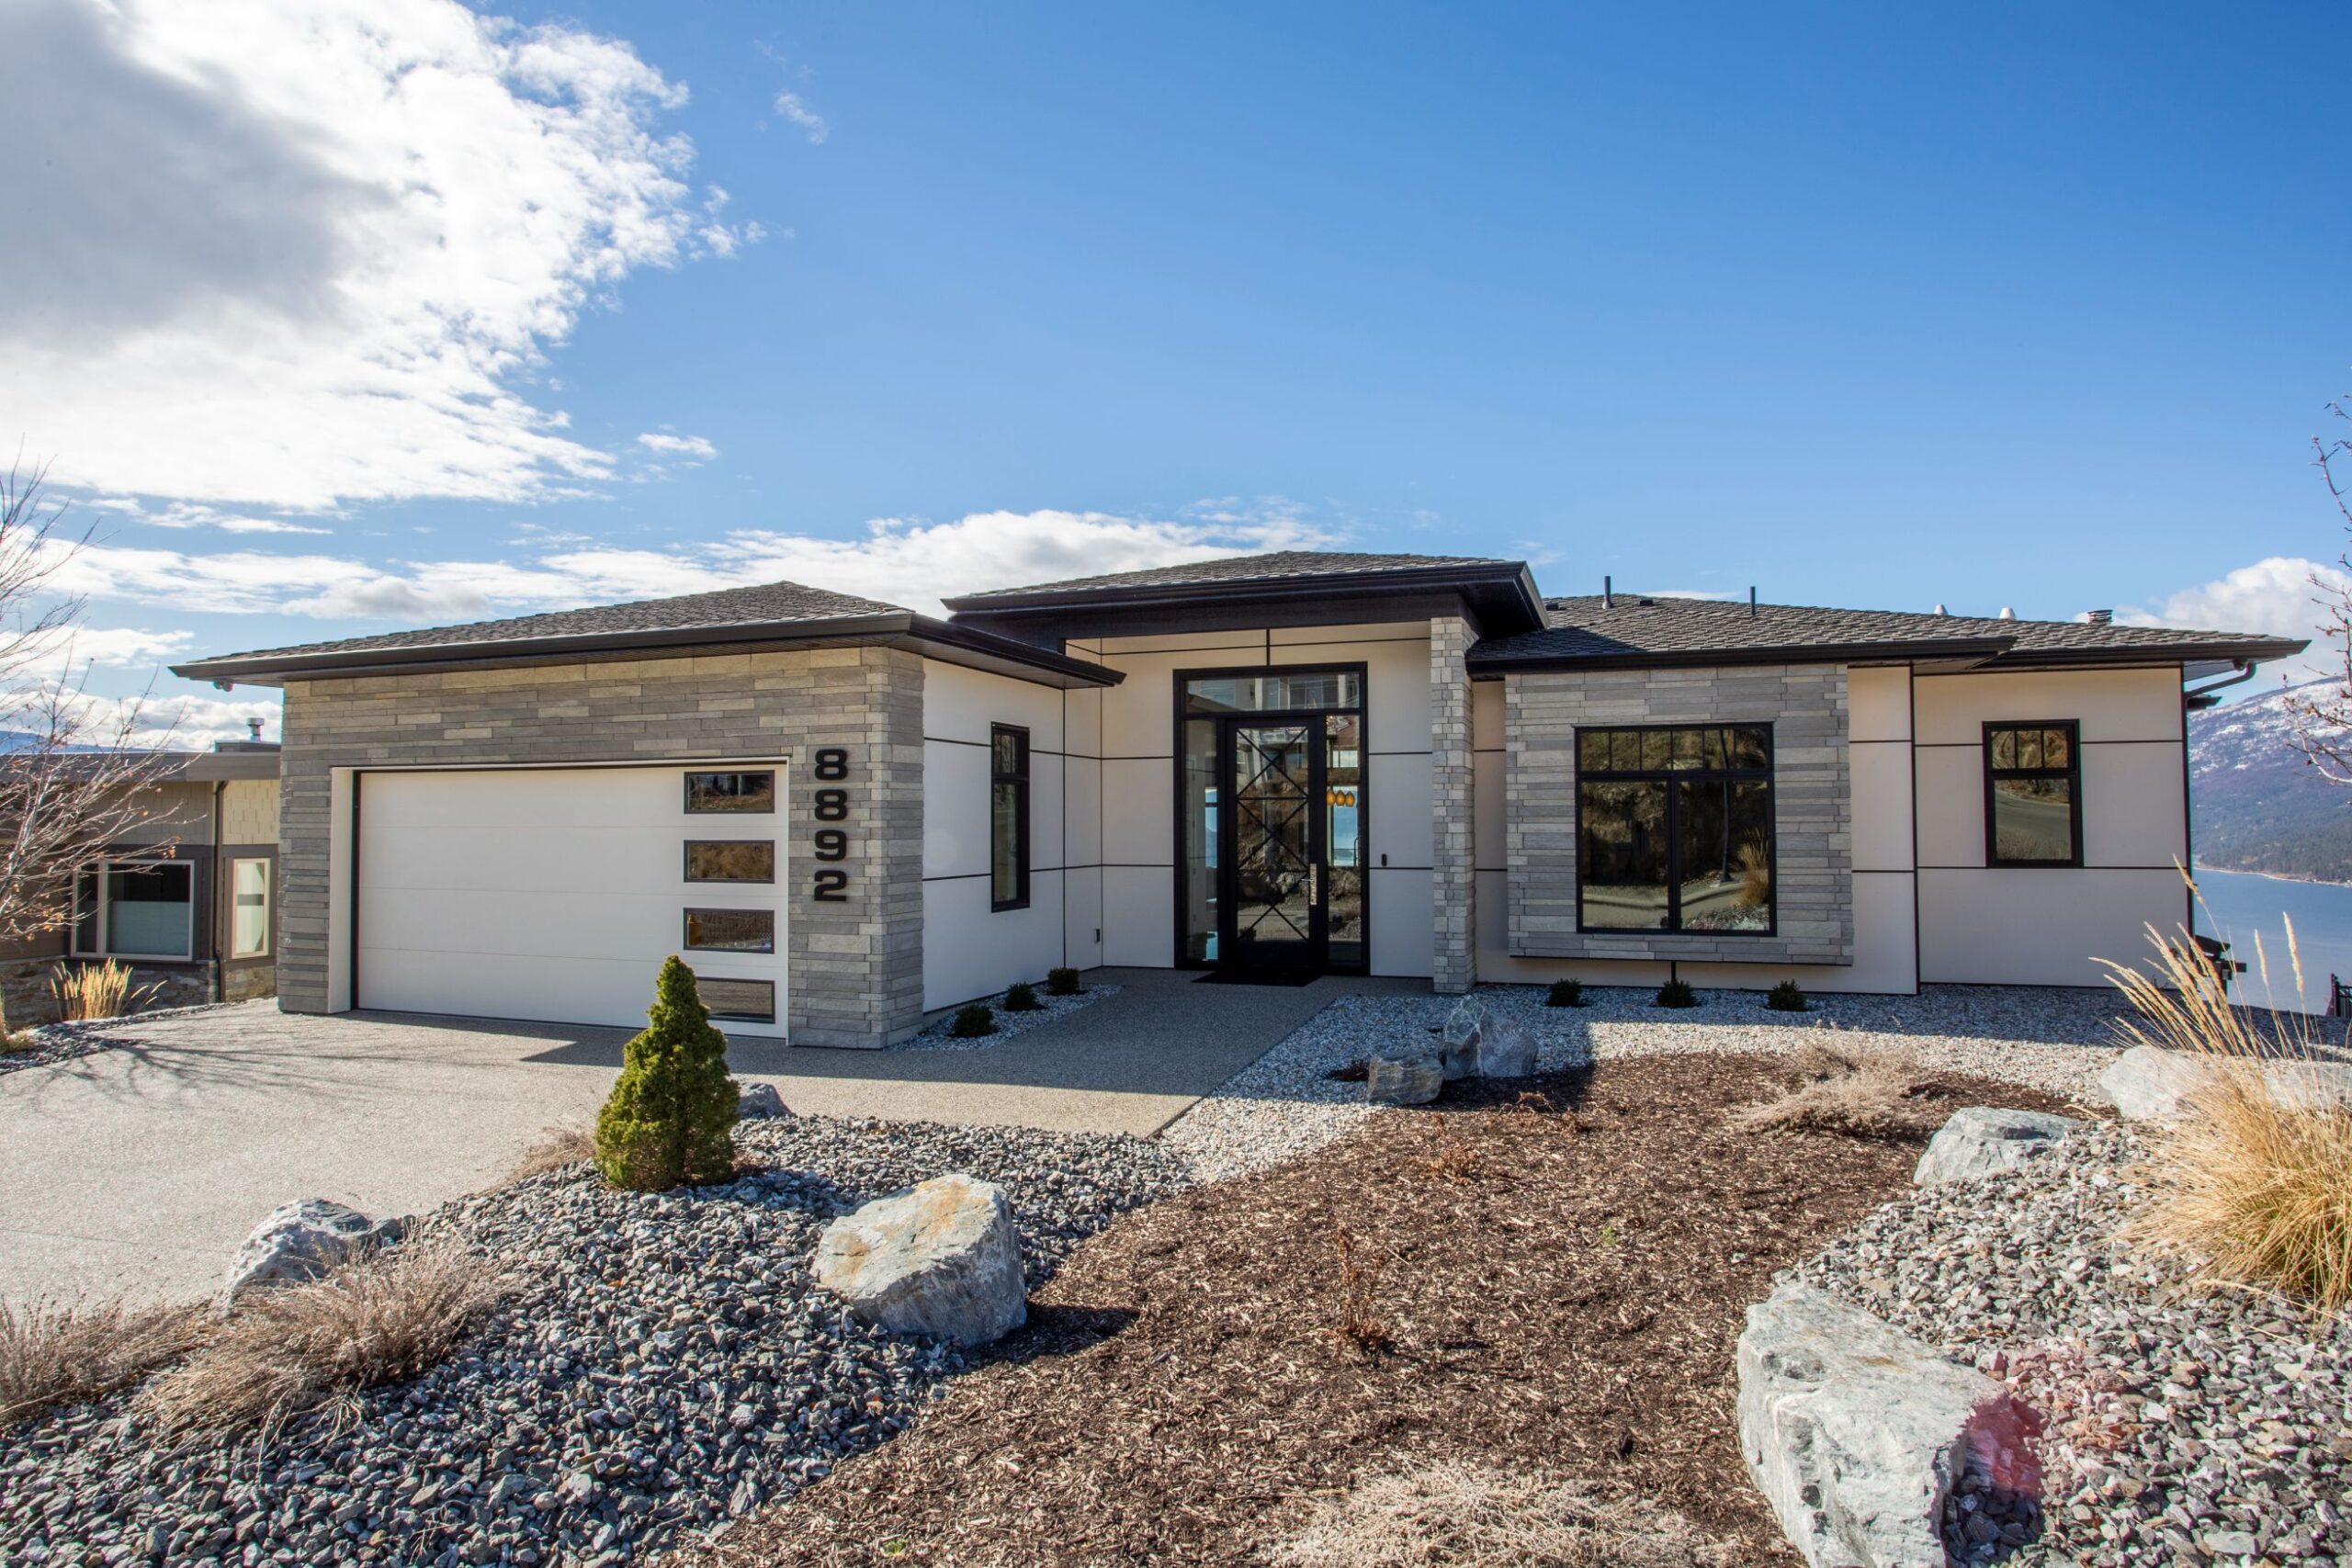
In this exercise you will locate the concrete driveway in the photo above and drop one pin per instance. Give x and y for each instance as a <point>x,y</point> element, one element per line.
<point>138,1170</point>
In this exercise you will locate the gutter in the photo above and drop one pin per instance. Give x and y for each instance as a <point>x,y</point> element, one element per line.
<point>2196,699</point>
<point>1980,649</point>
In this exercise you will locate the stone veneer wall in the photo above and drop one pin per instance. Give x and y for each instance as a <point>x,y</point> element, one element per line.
<point>855,968</point>
<point>1811,800</point>
<point>1453,865</point>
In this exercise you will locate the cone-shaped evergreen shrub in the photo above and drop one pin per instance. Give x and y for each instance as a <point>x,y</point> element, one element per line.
<point>670,1118</point>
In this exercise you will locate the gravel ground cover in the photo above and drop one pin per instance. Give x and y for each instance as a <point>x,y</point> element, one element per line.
<point>1551,1287</point>
<point>666,1364</point>
<point>2185,1427</point>
<point>51,1042</point>
<point>1286,1104</point>
<point>1009,1025</point>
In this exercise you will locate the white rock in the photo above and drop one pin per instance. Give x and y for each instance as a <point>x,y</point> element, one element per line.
<point>303,1240</point>
<point>1465,1027</point>
<point>2149,1083</point>
<point>941,1258</point>
<point>1855,1433</point>
<point>1402,1081</point>
<point>758,1101</point>
<point>1506,1050</point>
<point>1978,1140</point>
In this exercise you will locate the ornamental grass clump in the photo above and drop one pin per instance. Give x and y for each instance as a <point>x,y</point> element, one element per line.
<point>1565,994</point>
<point>1866,1094</point>
<point>2252,1184</point>
<point>670,1118</point>
<point>972,1020</point>
<point>52,1355</point>
<point>1450,1514</point>
<point>1021,997</point>
<point>1062,983</point>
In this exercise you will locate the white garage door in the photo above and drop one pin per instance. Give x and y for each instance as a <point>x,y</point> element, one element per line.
<point>555,894</point>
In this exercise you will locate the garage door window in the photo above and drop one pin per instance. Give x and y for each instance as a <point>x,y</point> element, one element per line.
<point>730,930</point>
<point>751,794</point>
<point>2033,795</point>
<point>134,910</point>
<point>740,1001</point>
<point>731,860</point>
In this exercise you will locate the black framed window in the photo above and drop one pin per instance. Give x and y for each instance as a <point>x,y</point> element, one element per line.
<point>1008,817</point>
<point>2033,794</point>
<point>752,793</point>
<point>1674,829</point>
<point>731,860</point>
<point>730,930</point>
<point>744,1001</point>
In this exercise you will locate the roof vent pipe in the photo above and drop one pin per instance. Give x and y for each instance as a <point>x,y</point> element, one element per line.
<point>255,726</point>
<point>2099,617</point>
<point>2007,613</point>
<point>1751,601</point>
<point>1607,596</point>
<point>1942,611</point>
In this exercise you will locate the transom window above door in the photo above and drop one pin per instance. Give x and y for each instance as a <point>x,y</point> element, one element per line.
<point>1274,691</point>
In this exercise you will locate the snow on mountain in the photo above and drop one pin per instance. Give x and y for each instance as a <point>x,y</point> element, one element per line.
<point>2258,804</point>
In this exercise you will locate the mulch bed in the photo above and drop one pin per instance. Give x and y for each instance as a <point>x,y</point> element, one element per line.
<point>1552,1282</point>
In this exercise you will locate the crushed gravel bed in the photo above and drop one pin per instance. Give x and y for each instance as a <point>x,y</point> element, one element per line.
<point>667,1363</point>
<point>1286,1104</point>
<point>2185,1425</point>
<point>52,1043</point>
<point>1009,1025</point>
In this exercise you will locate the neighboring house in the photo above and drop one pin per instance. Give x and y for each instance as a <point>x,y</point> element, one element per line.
<point>846,815</point>
<point>187,898</point>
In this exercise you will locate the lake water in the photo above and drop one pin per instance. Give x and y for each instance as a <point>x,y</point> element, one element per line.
<point>2239,904</point>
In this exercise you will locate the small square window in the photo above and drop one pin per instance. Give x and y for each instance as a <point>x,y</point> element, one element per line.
<point>730,930</point>
<point>751,794</point>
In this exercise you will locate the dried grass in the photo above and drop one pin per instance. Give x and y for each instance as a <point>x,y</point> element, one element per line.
<point>95,990</point>
<point>1453,1160</point>
<point>1359,1325</point>
<point>557,1148</point>
<point>52,1355</point>
<point>2253,1183</point>
<point>1455,1513</point>
<point>291,1349</point>
<point>1862,1094</point>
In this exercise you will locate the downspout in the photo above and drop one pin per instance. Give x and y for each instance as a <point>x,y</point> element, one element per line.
<point>219,982</point>
<point>2195,699</point>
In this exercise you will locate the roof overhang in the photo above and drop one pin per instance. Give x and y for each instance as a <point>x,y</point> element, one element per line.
<point>1943,655</point>
<point>974,646</point>
<point>1500,598</point>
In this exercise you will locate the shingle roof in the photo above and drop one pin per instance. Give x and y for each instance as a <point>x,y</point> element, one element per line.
<point>1638,629</point>
<point>766,603</point>
<point>1273,566</point>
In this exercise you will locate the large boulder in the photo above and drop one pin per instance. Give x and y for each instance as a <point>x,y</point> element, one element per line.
<point>1978,1140</point>
<point>303,1240</point>
<point>1403,1080</point>
<point>1506,1051</point>
<point>941,1258</point>
<point>759,1102</point>
<point>2149,1083</point>
<point>1465,1026</point>
<point>1855,1433</point>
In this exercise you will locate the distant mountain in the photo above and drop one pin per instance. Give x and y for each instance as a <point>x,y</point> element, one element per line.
<point>2257,804</point>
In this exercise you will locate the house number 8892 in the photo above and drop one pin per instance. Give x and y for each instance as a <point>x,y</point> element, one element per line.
<point>830,886</point>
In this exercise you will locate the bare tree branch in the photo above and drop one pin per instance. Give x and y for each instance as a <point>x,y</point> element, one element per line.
<point>2322,716</point>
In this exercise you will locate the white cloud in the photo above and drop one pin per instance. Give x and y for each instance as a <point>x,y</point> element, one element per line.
<point>2281,595</point>
<point>182,723</point>
<point>121,646</point>
<point>297,252</point>
<point>900,561</point>
<point>194,514</point>
<point>790,105</point>
<point>694,447</point>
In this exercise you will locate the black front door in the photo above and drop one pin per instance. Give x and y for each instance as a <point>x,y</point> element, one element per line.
<point>1292,885</point>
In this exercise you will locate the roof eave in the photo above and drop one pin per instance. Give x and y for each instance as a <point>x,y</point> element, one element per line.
<point>1513,576</point>
<point>1978,648</point>
<point>2230,650</point>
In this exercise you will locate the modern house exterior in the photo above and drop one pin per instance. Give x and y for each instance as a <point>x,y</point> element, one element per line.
<point>186,897</point>
<point>847,816</point>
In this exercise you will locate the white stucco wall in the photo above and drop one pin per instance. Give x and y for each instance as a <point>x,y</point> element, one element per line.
<point>1137,768</point>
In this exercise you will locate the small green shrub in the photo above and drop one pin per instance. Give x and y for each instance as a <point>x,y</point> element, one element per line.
<point>670,1118</point>
<point>1676,994</point>
<point>972,1021</point>
<point>1021,997</point>
<point>1062,983</point>
<point>1565,994</point>
<point>1786,996</point>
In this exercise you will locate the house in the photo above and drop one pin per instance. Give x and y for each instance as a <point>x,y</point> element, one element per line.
<point>847,816</point>
<point>186,899</point>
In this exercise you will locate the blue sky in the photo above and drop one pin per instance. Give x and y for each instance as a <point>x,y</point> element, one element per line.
<point>1877,306</point>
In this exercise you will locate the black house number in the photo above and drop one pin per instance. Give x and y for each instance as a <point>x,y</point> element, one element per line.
<point>830,886</point>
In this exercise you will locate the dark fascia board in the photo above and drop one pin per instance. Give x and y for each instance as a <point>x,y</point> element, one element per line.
<point>1502,597</point>
<point>964,645</point>
<point>214,767</point>
<point>1793,653</point>
<point>2227,650</point>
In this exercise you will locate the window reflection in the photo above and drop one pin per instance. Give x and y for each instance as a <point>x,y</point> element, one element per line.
<point>1675,827</point>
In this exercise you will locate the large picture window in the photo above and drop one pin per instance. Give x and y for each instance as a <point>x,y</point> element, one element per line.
<point>1674,829</point>
<point>135,909</point>
<point>1008,817</point>
<point>2033,794</point>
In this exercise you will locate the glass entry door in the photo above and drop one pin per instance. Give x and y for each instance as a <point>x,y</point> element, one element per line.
<point>1292,863</point>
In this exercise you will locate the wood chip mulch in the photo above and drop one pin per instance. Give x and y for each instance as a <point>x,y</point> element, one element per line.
<point>1550,1282</point>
